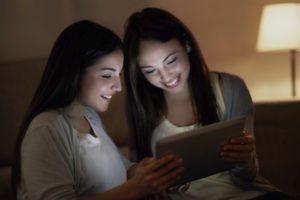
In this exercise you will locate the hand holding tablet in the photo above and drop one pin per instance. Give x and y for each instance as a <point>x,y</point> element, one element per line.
<point>239,148</point>
<point>200,148</point>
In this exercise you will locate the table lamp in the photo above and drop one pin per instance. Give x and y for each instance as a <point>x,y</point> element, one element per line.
<point>280,31</point>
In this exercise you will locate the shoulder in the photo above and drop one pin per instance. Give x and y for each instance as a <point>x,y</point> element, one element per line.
<point>51,118</point>
<point>227,77</point>
<point>50,124</point>
<point>237,97</point>
<point>50,147</point>
<point>231,82</point>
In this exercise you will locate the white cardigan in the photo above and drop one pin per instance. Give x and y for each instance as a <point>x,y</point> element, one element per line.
<point>57,163</point>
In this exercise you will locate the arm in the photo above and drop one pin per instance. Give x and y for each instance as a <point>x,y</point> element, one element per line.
<point>46,166</point>
<point>238,102</point>
<point>150,176</point>
<point>47,171</point>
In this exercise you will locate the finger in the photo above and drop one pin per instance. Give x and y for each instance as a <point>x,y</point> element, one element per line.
<point>239,147</point>
<point>164,185</point>
<point>185,187</point>
<point>146,161</point>
<point>241,157</point>
<point>167,179</point>
<point>236,160</point>
<point>245,139</point>
<point>173,189</point>
<point>153,173</point>
<point>181,188</point>
<point>165,170</point>
<point>234,156</point>
<point>158,163</point>
<point>242,139</point>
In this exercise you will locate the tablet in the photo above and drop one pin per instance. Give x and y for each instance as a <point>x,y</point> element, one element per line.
<point>200,147</point>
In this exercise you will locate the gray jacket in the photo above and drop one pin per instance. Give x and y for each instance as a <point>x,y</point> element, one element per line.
<point>238,103</point>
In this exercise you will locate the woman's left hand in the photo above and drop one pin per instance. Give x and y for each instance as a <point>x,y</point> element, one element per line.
<point>239,149</point>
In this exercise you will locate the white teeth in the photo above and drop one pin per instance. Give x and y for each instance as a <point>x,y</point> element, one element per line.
<point>107,96</point>
<point>172,83</point>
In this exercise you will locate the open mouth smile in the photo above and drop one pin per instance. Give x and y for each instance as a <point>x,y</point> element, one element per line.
<point>106,97</point>
<point>172,83</point>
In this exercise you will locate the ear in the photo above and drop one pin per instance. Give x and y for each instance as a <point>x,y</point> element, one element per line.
<point>188,47</point>
<point>187,43</point>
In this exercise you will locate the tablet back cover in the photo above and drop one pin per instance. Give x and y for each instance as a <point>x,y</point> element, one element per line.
<point>200,148</point>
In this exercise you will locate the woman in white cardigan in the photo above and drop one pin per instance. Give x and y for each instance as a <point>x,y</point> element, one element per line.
<point>63,152</point>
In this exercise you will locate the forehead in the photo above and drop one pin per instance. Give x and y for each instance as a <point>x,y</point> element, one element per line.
<point>151,51</point>
<point>111,60</point>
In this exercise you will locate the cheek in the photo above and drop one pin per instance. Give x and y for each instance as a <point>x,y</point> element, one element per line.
<point>97,87</point>
<point>86,86</point>
<point>91,87</point>
<point>152,79</point>
<point>184,63</point>
<point>184,67</point>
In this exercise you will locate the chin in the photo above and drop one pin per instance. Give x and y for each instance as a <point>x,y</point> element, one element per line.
<point>101,109</point>
<point>178,89</point>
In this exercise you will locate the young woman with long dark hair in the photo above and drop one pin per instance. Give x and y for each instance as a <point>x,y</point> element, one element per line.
<point>170,90</point>
<point>63,151</point>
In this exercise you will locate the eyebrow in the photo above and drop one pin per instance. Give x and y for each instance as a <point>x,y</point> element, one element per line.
<point>111,69</point>
<point>107,68</point>
<point>163,60</point>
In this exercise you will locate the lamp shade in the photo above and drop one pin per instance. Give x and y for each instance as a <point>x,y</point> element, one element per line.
<point>279,27</point>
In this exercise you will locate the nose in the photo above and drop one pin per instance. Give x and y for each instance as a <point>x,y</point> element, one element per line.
<point>165,75</point>
<point>117,86</point>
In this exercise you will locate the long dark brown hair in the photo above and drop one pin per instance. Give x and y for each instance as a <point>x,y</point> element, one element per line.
<point>146,104</point>
<point>78,47</point>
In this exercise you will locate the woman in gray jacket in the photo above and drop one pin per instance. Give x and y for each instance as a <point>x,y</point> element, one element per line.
<point>170,90</point>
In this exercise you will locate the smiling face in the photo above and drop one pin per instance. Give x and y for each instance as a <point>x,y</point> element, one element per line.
<point>165,65</point>
<point>101,81</point>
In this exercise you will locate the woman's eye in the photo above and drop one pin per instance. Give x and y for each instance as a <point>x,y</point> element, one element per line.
<point>106,76</point>
<point>172,61</point>
<point>149,71</point>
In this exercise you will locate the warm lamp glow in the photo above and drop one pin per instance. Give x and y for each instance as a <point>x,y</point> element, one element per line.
<point>279,27</point>
<point>280,30</point>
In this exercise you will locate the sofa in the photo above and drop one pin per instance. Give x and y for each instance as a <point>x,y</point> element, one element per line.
<point>276,127</point>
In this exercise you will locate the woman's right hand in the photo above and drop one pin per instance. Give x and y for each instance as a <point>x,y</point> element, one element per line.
<point>154,175</point>
<point>151,176</point>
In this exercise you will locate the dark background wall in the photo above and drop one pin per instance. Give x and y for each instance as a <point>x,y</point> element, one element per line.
<point>226,31</point>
